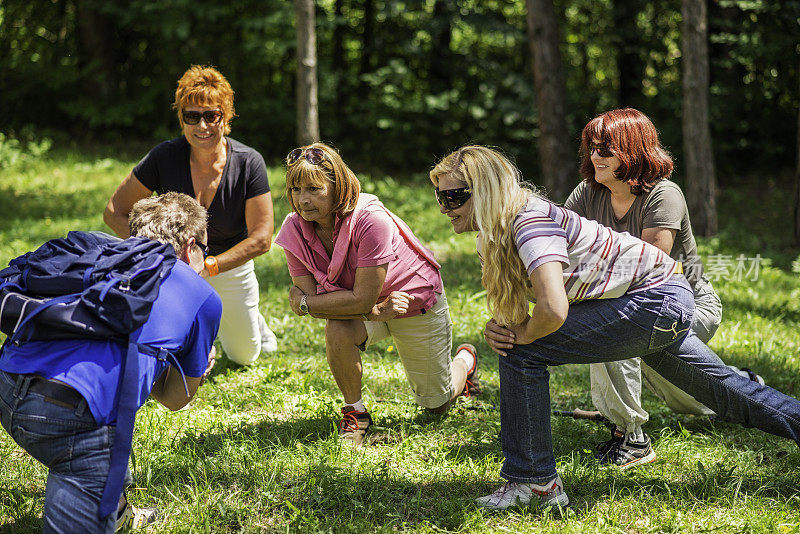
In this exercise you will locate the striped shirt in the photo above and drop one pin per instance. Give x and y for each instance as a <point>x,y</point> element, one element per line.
<point>599,263</point>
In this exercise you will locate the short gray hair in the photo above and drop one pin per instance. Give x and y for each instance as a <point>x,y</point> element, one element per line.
<point>171,218</point>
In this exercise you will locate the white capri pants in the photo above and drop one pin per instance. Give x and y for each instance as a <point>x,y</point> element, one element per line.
<point>240,327</point>
<point>423,343</point>
<point>617,386</point>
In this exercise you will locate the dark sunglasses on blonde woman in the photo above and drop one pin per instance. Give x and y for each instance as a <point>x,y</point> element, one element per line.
<point>313,155</point>
<point>193,117</point>
<point>451,199</point>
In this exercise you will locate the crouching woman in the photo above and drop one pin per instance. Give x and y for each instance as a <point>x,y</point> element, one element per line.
<point>361,268</point>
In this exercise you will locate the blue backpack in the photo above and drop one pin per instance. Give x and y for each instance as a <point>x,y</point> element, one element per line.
<point>90,285</point>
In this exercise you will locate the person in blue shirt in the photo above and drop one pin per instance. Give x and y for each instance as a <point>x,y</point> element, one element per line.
<point>58,398</point>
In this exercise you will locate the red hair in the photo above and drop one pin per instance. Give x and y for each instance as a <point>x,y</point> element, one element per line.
<point>205,86</point>
<point>633,139</point>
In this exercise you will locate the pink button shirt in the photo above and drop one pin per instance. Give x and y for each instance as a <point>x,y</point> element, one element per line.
<point>368,237</point>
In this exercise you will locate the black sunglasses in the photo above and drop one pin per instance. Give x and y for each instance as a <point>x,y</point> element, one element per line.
<point>452,199</point>
<point>313,155</point>
<point>602,150</point>
<point>193,117</point>
<point>203,247</point>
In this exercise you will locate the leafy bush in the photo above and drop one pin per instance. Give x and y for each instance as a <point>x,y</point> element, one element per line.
<point>13,152</point>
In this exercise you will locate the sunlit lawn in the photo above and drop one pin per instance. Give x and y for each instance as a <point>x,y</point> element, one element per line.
<point>257,450</point>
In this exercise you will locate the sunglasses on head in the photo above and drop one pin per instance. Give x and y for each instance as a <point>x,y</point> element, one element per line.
<point>452,199</point>
<point>313,155</point>
<point>193,117</point>
<point>602,150</point>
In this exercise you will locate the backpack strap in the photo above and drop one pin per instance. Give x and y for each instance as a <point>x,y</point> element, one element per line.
<point>163,355</point>
<point>23,319</point>
<point>126,417</point>
<point>123,438</point>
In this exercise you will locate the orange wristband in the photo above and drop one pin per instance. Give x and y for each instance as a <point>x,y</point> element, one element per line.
<point>212,266</point>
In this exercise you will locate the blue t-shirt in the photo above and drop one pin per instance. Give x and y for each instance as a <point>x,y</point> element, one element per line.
<point>185,319</point>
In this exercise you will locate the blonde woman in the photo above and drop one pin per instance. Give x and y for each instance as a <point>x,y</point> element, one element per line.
<point>361,268</point>
<point>599,296</point>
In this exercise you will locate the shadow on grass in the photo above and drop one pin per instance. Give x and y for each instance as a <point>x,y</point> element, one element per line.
<point>778,373</point>
<point>390,428</point>
<point>783,312</point>
<point>19,207</point>
<point>296,470</point>
<point>25,511</point>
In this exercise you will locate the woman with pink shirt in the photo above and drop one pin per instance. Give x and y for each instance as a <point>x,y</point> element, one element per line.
<point>361,268</point>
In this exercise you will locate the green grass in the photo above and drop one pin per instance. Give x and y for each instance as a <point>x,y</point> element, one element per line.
<point>257,452</point>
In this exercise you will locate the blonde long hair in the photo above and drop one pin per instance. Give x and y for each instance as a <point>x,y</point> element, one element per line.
<point>498,195</point>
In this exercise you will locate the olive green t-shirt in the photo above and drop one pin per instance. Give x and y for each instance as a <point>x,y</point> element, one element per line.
<point>663,207</point>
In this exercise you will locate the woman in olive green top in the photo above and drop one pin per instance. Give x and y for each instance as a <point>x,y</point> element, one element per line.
<point>626,187</point>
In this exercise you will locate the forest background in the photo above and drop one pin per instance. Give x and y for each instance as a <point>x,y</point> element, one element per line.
<point>403,82</point>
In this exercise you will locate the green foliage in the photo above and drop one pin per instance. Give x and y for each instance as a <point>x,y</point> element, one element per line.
<point>754,51</point>
<point>257,451</point>
<point>401,82</point>
<point>13,152</point>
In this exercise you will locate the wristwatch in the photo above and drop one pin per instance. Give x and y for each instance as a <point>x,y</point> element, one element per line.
<point>304,304</point>
<point>211,265</point>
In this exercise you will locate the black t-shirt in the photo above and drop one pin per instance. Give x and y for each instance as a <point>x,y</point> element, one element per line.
<point>166,168</point>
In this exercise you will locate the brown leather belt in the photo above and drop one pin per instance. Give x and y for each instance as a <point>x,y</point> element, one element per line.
<point>53,392</point>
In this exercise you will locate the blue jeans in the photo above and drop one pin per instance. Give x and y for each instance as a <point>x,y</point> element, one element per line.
<point>74,448</point>
<point>654,325</point>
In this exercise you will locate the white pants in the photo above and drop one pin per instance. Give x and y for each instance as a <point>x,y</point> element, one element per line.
<point>617,386</point>
<point>239,329</point>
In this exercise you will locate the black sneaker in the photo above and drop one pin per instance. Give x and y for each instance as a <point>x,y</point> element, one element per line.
<point>621,451</point>
<point>353,426</point>
<point>749,373</point>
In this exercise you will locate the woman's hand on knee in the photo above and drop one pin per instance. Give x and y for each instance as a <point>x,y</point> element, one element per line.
<point>499,338</point>
<point>396,303</point>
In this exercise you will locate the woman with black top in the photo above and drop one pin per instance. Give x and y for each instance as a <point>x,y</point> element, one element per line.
<point>230,180</point>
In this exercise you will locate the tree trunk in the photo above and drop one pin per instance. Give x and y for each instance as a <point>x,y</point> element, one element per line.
<point>555,152</point>
<point>701,183</point>
<point>630,65</point>
<point>339,66</point>
<point>797,182</point>
<point>307,114</point>
<point>96,50</point>
<point>441,36</point>
<point>367,49</point>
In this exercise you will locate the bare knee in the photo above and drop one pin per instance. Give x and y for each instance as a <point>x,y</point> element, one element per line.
<point>344,333</point>
<point>337,331</point>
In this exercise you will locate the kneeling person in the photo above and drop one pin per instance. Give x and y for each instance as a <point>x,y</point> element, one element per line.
<point>360,267</point>
<point>60,400</point>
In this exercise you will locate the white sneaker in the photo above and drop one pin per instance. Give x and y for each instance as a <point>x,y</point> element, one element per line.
<point>132,517</point>
<point>269,341</point>
<point>550,495</point>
